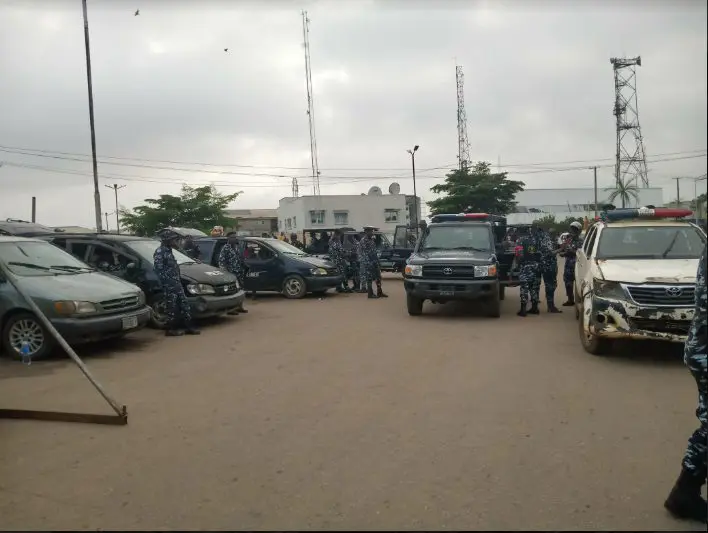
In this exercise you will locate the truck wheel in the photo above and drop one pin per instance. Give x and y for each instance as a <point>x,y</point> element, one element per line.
<point>494,309</point>
<point>592,343</point>
<point>502,292</point>
<point>415,305</point>
<point>294,287</point>
<point>25,327</point>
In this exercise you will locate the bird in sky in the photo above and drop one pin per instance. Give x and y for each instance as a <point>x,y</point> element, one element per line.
<point>137,12</point>
<point>226,49</point>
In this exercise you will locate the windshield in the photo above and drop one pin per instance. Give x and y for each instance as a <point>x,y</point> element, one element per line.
<point>30,258</point>
<point>468,237</point>
<point>146,250</point>
<point>647,242</point>
<point>285,248</point>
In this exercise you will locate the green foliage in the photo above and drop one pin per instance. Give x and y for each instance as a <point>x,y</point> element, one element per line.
<point>625,191</point>
<point>195,207</point>
<point>476,190</point>
<point>549,223</point>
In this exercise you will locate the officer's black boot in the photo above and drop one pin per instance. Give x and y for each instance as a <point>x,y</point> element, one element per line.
<point>534,309</point>
<point>379,291</point>
<point>191,329</point>
<point>552,308</point>
<point>522,311</point>
<point>370,290</point>
<point>569,292</point>
<point>685,499</point>
<point>173,330</point>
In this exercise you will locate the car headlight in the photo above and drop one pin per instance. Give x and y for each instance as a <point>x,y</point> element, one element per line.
<point>485,271</point>
<point>608,289</point>
<point>318,271</point>
<point>200,288</point>
<point>72,307</point>
<point>141,298</point>
<point>415,271</point>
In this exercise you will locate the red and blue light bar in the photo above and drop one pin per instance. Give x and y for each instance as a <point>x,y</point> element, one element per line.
<point>459,217</point>
<point>644,212</point>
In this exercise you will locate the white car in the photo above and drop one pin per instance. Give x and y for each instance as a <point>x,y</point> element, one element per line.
<point>635,279</point>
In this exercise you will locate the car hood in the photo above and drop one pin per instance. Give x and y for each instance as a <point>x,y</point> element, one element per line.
<point>451,256</point>
<point>311,260</point>
<point>207,274</point>
<point>649,270</point>
<point>85,287</point>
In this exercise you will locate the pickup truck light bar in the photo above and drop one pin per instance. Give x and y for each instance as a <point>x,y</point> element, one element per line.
<point>459,217</point>
<point>644,212</point>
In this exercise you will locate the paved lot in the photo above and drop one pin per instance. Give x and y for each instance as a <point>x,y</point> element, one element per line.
<point>345,413</point>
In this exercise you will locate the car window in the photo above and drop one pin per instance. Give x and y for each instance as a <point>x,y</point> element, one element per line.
<point>107,259</point>
<point>205,250</point>
<point>79,249</point>
<point>650,242</point>
<point>39,258</point>
<point>256,252</point>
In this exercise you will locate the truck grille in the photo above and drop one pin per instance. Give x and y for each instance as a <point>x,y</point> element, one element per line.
<point>448,272</point>
<point>676,327</point>
<point>227,288</point>
<point>662,295</point>
<point>120,303</point>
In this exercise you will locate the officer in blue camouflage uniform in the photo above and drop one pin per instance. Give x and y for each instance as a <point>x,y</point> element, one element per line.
<point>231,260</point>
<point>361,258</point>
<point>685,499</point>
<point>549,269</point>
<point>372,268</point>
<point>568,250</point>
<point>529,260</point>
<point>337,257</point>
<point>167,270</point>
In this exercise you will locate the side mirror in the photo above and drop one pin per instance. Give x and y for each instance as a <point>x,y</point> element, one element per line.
<point>131,266</point>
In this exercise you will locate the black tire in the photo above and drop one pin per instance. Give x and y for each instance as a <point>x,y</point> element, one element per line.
<point>158,317</point>
<point>494,304</point>
<point>592,344</point>
<point>28,326</point>
<point>414,305</point>
<point>294,287</point>
<point>502,292</point>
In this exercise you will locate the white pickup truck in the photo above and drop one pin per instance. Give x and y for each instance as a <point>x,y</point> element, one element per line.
<point>635,279</point>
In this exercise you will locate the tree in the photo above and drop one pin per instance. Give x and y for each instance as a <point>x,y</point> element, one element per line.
<point>195,207</point>
<point>476,189</point>
<point>625,191</point>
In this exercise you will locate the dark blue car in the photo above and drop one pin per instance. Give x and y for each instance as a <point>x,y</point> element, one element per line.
<point>276,266</point>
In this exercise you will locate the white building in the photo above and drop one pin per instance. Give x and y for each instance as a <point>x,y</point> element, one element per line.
<point>579,203</point>
<point>383,211</point>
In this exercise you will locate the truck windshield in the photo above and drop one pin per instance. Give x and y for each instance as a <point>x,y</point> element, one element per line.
<point>465,237</point>
<point>650,242</point>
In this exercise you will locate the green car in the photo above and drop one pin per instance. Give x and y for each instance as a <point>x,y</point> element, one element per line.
<point>83,304</point>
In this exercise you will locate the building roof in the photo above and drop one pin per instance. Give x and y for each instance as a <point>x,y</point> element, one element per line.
<point>251,213</point>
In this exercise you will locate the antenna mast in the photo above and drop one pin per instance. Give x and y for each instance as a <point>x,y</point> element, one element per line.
<point>463,144</point>
<point>310,105</point>
<point>630,161</point>
<point>296,188</point>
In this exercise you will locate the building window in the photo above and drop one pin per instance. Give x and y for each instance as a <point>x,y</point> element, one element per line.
<point>317,217</point>
<point>341,218</point>
<point>294,222</point>
<point>289,223</point>
<point>391,215</point>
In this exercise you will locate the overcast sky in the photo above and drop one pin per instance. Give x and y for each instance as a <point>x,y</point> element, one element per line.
<point>538,88</point>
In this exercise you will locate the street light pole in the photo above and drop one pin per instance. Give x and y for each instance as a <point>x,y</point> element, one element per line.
<point>415,192</point>
<point>115,188</point>
<point>96,192</point>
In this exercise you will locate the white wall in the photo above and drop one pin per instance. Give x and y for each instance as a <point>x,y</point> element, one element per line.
<point>362,210</point>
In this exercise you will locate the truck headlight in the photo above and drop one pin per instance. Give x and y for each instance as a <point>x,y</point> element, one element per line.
<point>318,271</point>
<point>141,298</point>
<point>415,271</point>
<point>608,289</point>
<point>485,271</point>
<point>200,288</point>
<point>72,307</point>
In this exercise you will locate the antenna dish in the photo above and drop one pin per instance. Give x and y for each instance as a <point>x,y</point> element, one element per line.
<point>375,191</point>
<point>394,188</point>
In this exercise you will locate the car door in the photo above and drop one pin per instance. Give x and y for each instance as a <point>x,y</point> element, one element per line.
<point>111,260</point>
<point>582,263</point>
<point>264,272</point>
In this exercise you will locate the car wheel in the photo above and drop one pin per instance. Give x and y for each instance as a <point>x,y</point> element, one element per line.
<point>502,292</point>
<point>158,317</point>
<point>415,305</point>
<point>494,305</point>
<point>294,287</point>
<point>592,343</point>
<point>26,328</point>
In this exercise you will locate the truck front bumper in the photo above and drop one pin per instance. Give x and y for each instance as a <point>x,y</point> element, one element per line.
<point>441,290</point>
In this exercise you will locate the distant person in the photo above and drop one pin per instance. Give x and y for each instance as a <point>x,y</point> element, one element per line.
<point>337,256</point>
<point>231,260</point>
<point>372,269</point>
<point>191,248</point>
<point>217,231</point>
<point>569,250</point>
<point>295,241</point>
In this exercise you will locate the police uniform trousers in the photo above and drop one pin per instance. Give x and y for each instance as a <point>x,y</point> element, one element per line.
<point>529,282</point>
<point>695,358</point>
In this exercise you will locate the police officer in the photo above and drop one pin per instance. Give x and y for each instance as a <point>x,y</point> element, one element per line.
<point>568,250</point>
<point>685,499</point>
<point>231,260</point>
<point>372,268</point>
<point>529,258</point>
<point>361,259</point>
<point>295,242</point>
<point>549,268</point>
<point>167,271</point>
<point>336,255</point>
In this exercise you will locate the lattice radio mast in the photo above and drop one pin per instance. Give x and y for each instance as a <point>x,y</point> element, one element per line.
<point>463,144</point>
<point>630,160</point>
<point>296,188</point>
<point>310,105</point>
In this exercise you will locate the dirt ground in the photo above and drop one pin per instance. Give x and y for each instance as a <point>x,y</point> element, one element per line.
<point>345,413</point>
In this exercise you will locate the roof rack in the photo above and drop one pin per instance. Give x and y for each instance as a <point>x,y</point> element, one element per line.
<point>466,217</point>
<point>643,212</point>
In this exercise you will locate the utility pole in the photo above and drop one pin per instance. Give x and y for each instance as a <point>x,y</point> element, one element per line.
<point>96,192</point>
<point>106,214</point>
<point>34,209</point>
<point>594,173</point>
<point>115,188</point>
<point>310,105</point>
<point>678,195</point>
<point>415,193</point>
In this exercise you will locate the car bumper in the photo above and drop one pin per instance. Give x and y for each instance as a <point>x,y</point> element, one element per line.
<point>207,306</point>
<point>441,290</point>
<point>620,319</point>
<point>322,283</point>
<point>89,329</point>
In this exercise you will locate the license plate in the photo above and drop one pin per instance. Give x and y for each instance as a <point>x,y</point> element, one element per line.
<point>447,293</point>
<point>130,322</point>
